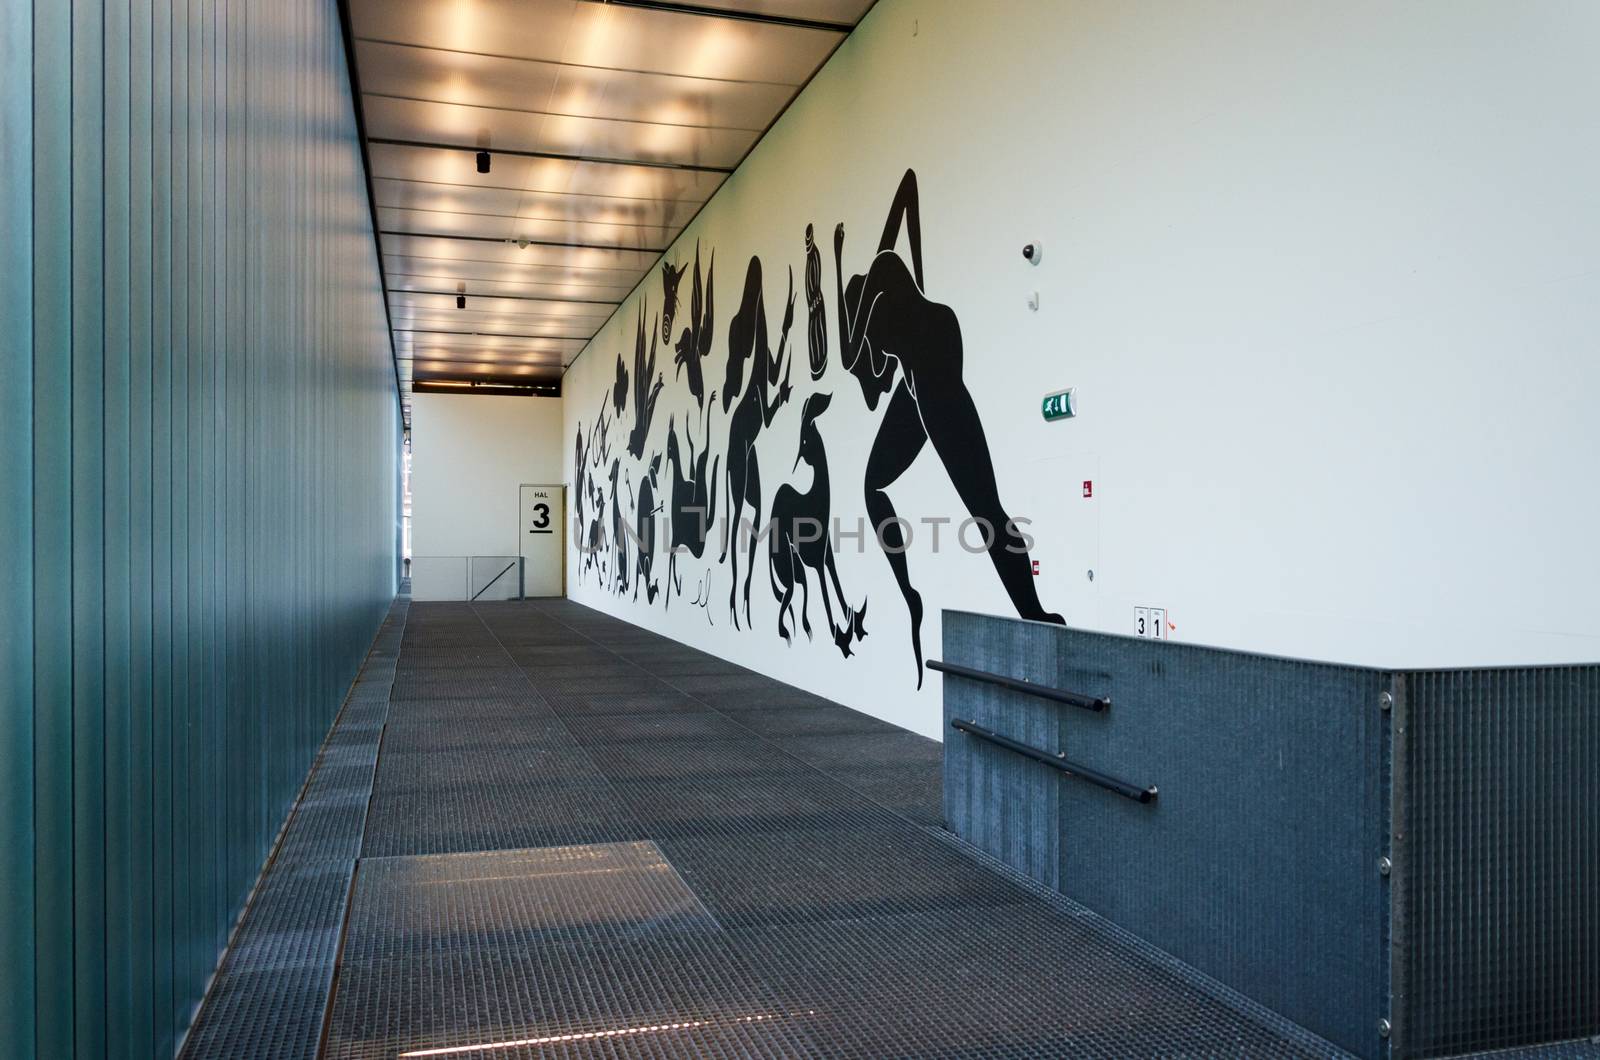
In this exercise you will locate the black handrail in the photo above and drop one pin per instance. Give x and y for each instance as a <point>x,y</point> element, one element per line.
<point>496,578</point>
<point>1057,761</point>
<point>1016,684</point>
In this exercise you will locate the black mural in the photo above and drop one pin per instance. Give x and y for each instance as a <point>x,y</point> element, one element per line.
<point>801,522</point>
<point>892,338</point>
<point>644,392</point>
<point>694,502</point>
<point>886,320</point>
<point>694,343</point>
<point>816,315</point>
<point>747,340</point>
<point>645,535</point>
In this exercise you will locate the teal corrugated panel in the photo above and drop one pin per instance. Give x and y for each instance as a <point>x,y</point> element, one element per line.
<point>52,526</point>
<point>16,528</point>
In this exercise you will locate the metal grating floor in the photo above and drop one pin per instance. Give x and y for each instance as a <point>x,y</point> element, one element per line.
<point>584,840</point>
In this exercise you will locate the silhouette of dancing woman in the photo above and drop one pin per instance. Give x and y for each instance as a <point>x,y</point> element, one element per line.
<point>747,339</point>
<point>886,320</point>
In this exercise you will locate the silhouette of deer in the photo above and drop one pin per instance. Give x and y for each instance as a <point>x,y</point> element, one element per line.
<point>694,342</point>
<point>644,393</point>
<point>747,338</point>
<point>645,539</point>
<point>694,504</point>
<point>800,539</point>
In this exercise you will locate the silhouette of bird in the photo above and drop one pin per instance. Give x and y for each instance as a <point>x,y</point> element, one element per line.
<point>694,343</point>
<point>619,393</point>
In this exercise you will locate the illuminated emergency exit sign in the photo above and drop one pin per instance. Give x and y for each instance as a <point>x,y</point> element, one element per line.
<point>1059,406</point>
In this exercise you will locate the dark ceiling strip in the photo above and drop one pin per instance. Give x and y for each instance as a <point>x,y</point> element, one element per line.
<point>514,242</point>
<point>735,15</point>
<point>536,191</point>
<point>498,335</point>
<point>387,141</point>
<point>624,288</point>
<point>516,217</point>
<point>571,66</point>
<point>517,297</point>
<point>517,265</point>
<point>348,35</point>
<point>559,114</point>
<point>446,357</point>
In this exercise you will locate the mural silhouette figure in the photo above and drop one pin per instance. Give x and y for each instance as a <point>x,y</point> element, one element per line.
<point>670,278</point>
<point>578,470</point>
<point>694,342</point>
<point>694,502</point>
<point>619,391</point>
<point>644,392</point>
<point>887,322</point>
<point>645,538</point>
<point>597,533</point>
<point>816,315</point>
<point>800,539</point>
<point>619,536</point>
<point>747,339</point>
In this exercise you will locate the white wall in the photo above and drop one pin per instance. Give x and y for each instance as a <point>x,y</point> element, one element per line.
<point>1323,277</point>
<point>469,453</point>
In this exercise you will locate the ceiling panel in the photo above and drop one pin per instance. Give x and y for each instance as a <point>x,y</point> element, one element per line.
<point>496,226</point>
<point>399,281</point>
<point>605,36</point>
<point>592,258</point>
<point>515,272</point>
<point>466,198</point>
<point>608,125</point>
<point>838,12</point>
<point>566,134</point>
<point>517,84</point>
<point>543,174</point>
<point>593,314</point>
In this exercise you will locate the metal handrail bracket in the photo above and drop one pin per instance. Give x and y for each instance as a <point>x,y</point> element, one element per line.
<point>1017,684</point>
<point>1057,761</point>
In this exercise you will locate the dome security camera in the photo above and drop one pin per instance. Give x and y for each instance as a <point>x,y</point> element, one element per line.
<point>1032,252</point>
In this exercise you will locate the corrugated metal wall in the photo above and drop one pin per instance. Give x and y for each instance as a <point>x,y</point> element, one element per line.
<point>198,441</point>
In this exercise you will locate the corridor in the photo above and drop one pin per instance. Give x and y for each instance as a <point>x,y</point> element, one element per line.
<point>538,831</point>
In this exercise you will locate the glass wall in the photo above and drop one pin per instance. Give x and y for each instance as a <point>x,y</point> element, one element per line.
<point>199,432</point>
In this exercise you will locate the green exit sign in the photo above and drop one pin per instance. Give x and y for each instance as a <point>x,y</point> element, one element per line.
<point>1059,406</point>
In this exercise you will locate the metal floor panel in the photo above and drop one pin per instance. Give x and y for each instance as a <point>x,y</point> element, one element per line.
<point>690,984</point>
<point>1010,981</point>
<point>586,841</point>
<point>414,907</point>
<point>794,877</point>
<point>269,999</point>
<point>575,705</point>
<point>468,816</point>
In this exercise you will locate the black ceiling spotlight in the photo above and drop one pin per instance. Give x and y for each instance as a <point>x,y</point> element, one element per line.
<point>483,161</point>
<point>461,301</point>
